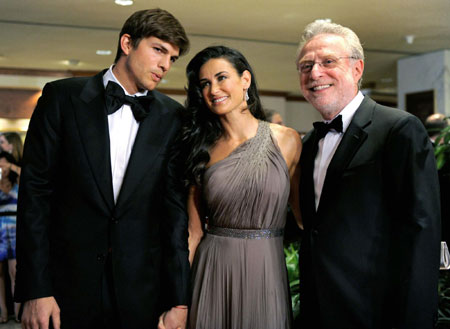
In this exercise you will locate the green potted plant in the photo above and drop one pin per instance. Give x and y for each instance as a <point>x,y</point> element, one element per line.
<point>442,148</point>
<point>291,253</point>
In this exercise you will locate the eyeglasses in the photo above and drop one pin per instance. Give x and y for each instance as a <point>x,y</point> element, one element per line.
<point>329,63</point>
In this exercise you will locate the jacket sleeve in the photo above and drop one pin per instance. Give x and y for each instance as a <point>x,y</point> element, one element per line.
<point>414,189</point>
<point>175,229</point>
<point>35,198</point>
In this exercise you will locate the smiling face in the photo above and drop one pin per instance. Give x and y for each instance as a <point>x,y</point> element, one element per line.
<point>329,90</point>
<point>142,67</point>
<point>222,87</point>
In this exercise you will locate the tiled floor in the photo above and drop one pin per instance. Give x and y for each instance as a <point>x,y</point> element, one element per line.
<point>11,324</point>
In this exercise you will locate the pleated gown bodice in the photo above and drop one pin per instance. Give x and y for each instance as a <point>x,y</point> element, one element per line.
<point>249,189</point>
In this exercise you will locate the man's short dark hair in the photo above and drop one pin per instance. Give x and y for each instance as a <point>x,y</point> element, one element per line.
<point>157,23</point>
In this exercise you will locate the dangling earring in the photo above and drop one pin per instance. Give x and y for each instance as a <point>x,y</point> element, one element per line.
<point>246,95</point>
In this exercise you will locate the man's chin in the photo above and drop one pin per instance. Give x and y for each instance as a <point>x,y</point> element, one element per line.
<point>327,110</point>
<point>150,86</point>
<point>320,105</point>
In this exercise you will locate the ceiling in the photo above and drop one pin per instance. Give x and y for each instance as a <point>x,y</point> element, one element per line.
<point>42,34</point>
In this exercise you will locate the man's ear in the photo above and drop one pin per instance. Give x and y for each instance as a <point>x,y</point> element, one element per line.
<point>358,69</point>
<point>126,43</point>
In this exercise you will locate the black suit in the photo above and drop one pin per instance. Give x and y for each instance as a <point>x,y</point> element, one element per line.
<point>370,253</point>
<point>68,223</point>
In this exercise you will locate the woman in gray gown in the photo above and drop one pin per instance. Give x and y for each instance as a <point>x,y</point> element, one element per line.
<point>242,171</point>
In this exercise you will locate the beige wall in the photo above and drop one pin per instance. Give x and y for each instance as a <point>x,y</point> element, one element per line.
<point>425,72</point>
<point>301,115</point>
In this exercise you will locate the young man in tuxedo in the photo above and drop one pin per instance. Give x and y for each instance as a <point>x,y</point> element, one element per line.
<point>369,198</point>
<point>101,214</point>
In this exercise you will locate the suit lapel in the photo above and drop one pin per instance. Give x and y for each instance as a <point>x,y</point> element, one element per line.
<point>92,123</point>
<point>349,145</point>
<point>149,140</point>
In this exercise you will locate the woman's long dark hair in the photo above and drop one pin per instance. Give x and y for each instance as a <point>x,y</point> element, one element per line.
<point>202,128</point>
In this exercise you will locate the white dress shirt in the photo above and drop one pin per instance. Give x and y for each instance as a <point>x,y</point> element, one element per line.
<point>329,144</point>
<point>123,128</point>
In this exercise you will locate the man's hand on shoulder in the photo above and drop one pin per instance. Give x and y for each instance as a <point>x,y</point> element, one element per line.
<point>175,318</point>
<point>37,312</point>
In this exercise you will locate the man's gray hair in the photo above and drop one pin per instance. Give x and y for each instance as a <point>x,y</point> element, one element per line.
<point>324,27</point>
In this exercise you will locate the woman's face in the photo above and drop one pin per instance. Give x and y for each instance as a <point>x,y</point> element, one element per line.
<point>5,145</point>
<point>223,89</point>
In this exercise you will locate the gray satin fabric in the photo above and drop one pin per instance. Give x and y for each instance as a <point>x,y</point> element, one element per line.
<point>242,283</point>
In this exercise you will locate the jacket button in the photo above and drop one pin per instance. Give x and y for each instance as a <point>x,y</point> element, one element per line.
<point>101,257</point>
<point>115,220</point>
<point>315,232</point>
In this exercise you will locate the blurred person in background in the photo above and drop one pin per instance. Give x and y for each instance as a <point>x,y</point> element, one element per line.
<point>12,143</point>
<point>8,212</point>
<point>274,117</point>
<point>434,124</point>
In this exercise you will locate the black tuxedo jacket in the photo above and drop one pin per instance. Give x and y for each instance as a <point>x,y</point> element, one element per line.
<point>444,183</point>
<point>370,253</point>
<point>68,221</point>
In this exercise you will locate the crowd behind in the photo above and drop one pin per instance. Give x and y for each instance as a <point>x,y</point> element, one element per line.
<point>11,149</point>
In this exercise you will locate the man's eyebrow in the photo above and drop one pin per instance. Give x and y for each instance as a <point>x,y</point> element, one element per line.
<point>165,50</point>
<point>157,44</point>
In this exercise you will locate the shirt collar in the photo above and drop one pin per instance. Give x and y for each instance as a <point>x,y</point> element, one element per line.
<point>109,76</point>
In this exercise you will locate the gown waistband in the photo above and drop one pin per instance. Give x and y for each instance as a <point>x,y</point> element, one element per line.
<point>245,233</point>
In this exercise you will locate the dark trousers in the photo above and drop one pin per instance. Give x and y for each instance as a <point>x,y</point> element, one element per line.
<point>110,310</point>
<point>110,313</point>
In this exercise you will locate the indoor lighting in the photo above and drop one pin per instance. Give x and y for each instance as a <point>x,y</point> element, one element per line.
<point>409,39</point>
<point>71,62</point>
<point>103,52</point>
<point>325,20</point>
<point>124,2</point>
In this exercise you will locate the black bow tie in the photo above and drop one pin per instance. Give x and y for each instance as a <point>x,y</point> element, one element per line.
<point>115,98</point>
<point>323,128</point>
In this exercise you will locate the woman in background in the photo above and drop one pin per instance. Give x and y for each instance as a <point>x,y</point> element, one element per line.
<point>12,143</point>
<point>8,211</point>
<point>241,170</point>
